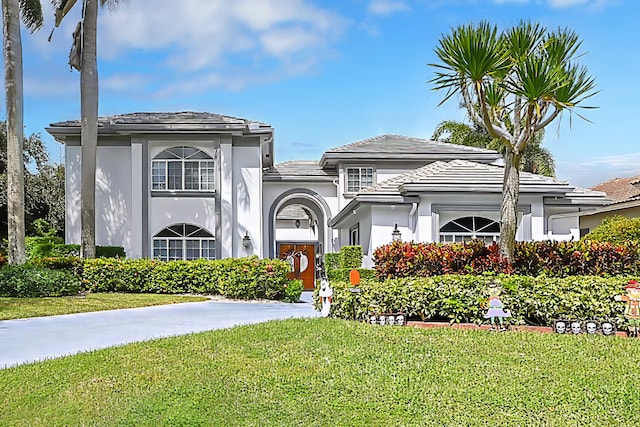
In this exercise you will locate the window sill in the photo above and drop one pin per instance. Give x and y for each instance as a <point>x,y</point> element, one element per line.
<point>162,193</point>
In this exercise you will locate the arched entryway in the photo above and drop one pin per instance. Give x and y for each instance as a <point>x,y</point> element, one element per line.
<point>298,232</point>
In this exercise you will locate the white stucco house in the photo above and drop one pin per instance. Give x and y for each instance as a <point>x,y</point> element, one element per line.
<point>189,185</point>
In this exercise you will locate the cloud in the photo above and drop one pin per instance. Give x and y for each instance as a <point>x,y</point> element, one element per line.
<point>386,7</point>
<point>592,172</point>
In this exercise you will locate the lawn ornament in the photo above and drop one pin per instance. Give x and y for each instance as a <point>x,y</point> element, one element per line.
<point>576,327</point>
<point>326,294</point>
<point>496,309</point>
<point>560,326</point>
<point>632,310</point>
<point>400,320</point>
<point>608,328</point>
<point>592,327</point>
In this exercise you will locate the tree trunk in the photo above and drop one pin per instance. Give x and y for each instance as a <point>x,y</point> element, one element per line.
<point>89,137</point>
<point>14,100</point>
<point>509,208</point>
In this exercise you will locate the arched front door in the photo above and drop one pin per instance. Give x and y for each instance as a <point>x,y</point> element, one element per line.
<point>302,261</point>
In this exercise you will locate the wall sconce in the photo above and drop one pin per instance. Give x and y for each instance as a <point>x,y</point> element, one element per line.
<point>297,223</point>
<point>396,236</point>
<point>246,240</point>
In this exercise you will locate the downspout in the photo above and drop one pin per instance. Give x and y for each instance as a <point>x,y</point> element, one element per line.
<point>412,221</point>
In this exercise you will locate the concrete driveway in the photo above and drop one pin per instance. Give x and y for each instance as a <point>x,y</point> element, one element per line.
<point>40,338</point>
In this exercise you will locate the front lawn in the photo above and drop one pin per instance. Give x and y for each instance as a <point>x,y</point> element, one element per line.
<point>329,372</point>
<point>20,308</point>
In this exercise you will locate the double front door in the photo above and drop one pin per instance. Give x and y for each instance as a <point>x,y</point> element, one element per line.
<point>301,258</point>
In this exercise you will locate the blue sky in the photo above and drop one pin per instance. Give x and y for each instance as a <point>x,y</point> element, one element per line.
<point>327,73</point>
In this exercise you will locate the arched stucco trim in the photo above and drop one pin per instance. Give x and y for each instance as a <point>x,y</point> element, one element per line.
<point>309,198</point>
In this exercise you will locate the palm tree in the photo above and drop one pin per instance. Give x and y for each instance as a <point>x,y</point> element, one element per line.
<point>83,57</point>
<point>31,13</point>
<point>521,80</point>
<point>535,159</point>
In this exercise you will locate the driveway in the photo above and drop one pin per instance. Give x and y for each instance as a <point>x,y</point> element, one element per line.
<point>40,338</point>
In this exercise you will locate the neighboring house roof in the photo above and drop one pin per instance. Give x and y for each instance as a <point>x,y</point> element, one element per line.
<point>398,147</point>
<point>298,170</point>
<point>465,176</point>
<point>620,189</point>
<point>162,118</point>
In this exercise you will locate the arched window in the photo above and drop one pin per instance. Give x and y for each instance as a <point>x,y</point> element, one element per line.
<point>184,241</point>
<point>182,169</point>
<point>468,228</point>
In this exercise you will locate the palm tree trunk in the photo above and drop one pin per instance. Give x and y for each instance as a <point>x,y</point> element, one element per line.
<point>89,136</point>
<point>14,100</point>
<point>509,209</point>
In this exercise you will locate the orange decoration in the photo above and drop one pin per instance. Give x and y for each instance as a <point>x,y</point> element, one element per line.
<point>354,277</point>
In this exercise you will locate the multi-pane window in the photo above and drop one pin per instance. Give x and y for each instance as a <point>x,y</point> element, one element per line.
<point>359,178</point>
<point>182,169</point>
<point>469,228</point>
<point>183,241</point>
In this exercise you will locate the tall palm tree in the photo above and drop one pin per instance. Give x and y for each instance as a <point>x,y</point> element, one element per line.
<point>31,13</point>
<point>84,58</point>
<point>521,80</point>
<point>535,159</point>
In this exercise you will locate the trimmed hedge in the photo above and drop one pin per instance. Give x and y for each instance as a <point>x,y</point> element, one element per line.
<point>241,278</point>
<point>463,298</point>
<point>558,259</point>
<point>38,247</point>
<point>31,282</point>
<point>342,274</point>
<point>616,230</point>
<point>351,257</point>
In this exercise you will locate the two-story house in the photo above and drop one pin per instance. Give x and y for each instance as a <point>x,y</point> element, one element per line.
<point>198,185</point>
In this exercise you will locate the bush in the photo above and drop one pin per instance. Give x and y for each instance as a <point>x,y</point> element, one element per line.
<point>351,257</point>
<point>293,290</point>
<point>40,246</point>
<point>70,264</point>
<point>101,251</point>
<point>342,274</point>
<point>463,298</point>
<point>242,278</point>
<point>616,230</point>
<point>331,261</point>
<point>27,281</point>
<point>558,259</point>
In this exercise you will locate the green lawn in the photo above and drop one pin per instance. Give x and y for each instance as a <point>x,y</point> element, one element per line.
<point>19,308</point>
<point>327,372</point>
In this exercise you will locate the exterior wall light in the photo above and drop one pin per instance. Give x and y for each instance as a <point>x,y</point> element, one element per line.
<point>396,236</point>
<point>246,240</point>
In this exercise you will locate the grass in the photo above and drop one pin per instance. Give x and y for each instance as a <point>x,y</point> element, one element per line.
<point>20,308</point>
<point>328,372</point>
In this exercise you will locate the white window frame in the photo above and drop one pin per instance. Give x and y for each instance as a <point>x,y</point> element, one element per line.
<point>354,235</point>
<point>161,180</point>
<point>359,181</point>
<point>163,246</point>
<point>471,233</point>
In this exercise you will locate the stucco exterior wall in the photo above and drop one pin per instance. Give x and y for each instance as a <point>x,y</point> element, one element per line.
<point>592,221</point>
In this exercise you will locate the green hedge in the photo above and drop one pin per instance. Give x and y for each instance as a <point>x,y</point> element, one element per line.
<point>351,257</point>
<point>26,281</point>
<point>38,247</point>
<point>463,298</point>
<point>342,274</point>
<point>616,230</point>
<point>241,278</point>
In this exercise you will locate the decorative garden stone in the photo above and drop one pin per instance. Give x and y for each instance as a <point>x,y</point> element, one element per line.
<point>632,310</point>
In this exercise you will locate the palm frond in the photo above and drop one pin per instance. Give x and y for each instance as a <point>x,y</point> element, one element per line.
<point>31,14</point>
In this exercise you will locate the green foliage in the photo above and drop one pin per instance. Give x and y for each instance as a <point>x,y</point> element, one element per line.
<point>42,228</point>
<point>342,274</point>
<point>293,290</point>
<point>331,260</point>
<point>463,298</point>
<point>559,259</point>
<point>27,281</point>
<point>351,257</point>
<point>241,278</point>
<point>70,264</point>
<point>110,252</point>
<point>40,246</point>
<point>616,230</point>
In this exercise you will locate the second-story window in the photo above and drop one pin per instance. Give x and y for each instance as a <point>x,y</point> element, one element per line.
<point>182,169</point>
<point>359,178</point>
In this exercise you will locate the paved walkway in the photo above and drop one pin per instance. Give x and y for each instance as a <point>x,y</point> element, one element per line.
<point>40,338</point>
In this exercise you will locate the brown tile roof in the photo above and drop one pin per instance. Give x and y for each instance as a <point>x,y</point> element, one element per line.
<point>620,189</point>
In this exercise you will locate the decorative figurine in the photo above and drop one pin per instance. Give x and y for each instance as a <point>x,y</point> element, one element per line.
<point>326,293</point>
<point>560,326</point>
<point>632,310</point>
<point>496,309</point>
<point>591,326</point>
<point>576,327</point>
<point>608,328</point>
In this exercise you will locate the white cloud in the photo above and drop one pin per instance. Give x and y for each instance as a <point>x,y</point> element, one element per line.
<point>387,7</point>
<point>592,172</point>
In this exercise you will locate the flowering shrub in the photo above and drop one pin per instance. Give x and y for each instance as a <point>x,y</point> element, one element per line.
<point>410,259</point>
<point>463,298</point>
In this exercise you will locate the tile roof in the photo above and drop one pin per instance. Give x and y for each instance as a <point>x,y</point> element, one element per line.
<point>620,189</point>
<point>297,169</point>
<point>462,175</point>
<point>395,144</point>
<point>184,117</point>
